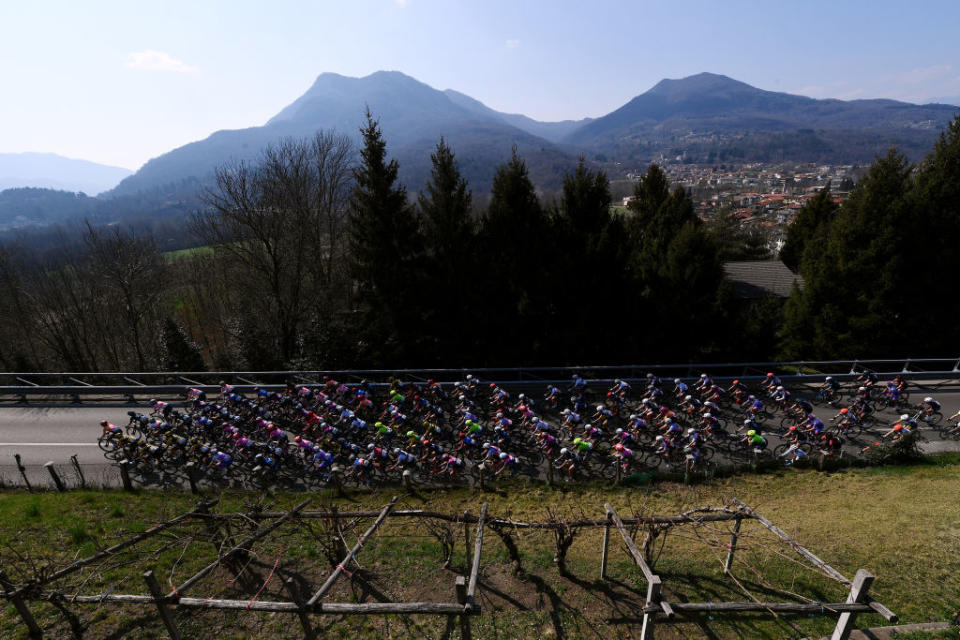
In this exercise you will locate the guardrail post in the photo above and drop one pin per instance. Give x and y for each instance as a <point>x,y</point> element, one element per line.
<point>56,477</point>
<point>79,470</point>
<point>125,475</point>
<point>23,472</point>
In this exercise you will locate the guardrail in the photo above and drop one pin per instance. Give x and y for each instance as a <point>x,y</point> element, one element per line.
<point>110,386</point>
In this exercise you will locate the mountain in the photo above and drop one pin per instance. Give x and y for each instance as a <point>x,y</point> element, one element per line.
<point>50,171</point>
<point>707,115</point>
<point>552,131</point>
<point>412,115</point>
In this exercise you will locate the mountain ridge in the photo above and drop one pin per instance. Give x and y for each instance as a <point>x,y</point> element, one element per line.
<point>54,171</point>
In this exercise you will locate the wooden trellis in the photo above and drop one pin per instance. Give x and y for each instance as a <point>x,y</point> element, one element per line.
<point>656,609</point>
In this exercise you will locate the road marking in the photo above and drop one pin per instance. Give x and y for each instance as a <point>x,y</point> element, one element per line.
<point>48,444</point>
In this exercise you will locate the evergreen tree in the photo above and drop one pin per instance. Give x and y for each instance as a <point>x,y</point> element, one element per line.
<point>449,239</point>
<point>385,247</point>
<point>857,298</point>
<point>516,250</point>
<point>819,211</point>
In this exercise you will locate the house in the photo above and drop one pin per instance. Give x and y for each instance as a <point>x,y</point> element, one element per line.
<point>753,279</point>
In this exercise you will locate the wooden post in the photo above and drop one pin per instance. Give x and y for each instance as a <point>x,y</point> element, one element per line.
<point>549,472</point>
<point>732,547</point>
<point>192,478</point>
<point>858,593</point>
<point>619,476</point>
<point>308,632</point>
<point>408,480</point>
<point>481,469</point>
<point>125,475</point>
<point>466,542</point>
<point>606,544</point>
<point>17,602</point>
<point>461,587</point>
<point>350,554</point>
<point>478,547</point>
<point>653,598</point>
<point>79,470</point>
<point>23,472</point>
<point>56,477</point>
<point>165,614</point>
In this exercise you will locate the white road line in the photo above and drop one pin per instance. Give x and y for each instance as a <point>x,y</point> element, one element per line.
<point>48,444</point>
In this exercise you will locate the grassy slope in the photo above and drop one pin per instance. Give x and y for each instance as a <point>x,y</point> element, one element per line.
<point>901,523</point>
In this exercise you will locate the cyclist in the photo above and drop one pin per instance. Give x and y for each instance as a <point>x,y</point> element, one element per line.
<point>754,440</point>
<point>680,388</point>
<point>771,382</point>
<point>781,396</point>
<point>929,406</point>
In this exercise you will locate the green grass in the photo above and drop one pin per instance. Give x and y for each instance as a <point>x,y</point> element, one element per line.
<point>902,524</point>
<point>184,254</point>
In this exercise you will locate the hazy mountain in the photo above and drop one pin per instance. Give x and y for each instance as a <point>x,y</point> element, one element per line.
<point>50,171</point>
<point>713,114</point>
<point>552,131</point>
<point>412,115</point>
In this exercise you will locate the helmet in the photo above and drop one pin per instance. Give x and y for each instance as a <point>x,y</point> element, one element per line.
<point>599,407</point>
<point>577,440</point>
<point>780,388</point>
<point>676,381</point>
<point>633,416</point>
<point>747,421</point>
<point>297,438</point>
<point>703,375</point>
<point>770,374</point>
<point>862,389</point>
<point>708,415</point>
<point>844,410</point>
<point>564,451</point>
<point>618,446</point>
<point>104,423</point>
<point>503,456</point>
<point>829,378</point>
<point>521,397</point>
<point>736,382</point>
<point>370,446</point>
<point>411,434</point>
<point>905,417</point>
<point>751,432</point>
<point>793,427</point>
<point>649,375</point>
<point>469,377</point>
<point>493,385</point>
<point>618,431</point>
<point>688,397</point>
<point>928,399</point>
<point>617,381</point>
<point>486,445</point>
<point>691,430</point>
<point>396,451</point>
<point>659,437</point>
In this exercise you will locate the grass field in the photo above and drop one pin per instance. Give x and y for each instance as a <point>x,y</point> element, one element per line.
<point>901,523</point>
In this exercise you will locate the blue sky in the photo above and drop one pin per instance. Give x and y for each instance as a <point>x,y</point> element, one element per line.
<point>121,82</point>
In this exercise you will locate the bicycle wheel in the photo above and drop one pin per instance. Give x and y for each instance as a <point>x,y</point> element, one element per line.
<point>934,418</point>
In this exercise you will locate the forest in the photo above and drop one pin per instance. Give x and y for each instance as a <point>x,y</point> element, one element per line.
<point>315,257</point>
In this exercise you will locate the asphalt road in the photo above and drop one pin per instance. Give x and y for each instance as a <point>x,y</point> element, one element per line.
<point>55,433</point>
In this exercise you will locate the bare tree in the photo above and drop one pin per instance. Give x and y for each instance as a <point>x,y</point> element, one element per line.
<point>279,224</point>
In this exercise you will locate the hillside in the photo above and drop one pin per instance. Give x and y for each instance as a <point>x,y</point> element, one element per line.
<point>413,117</point>
<point>706,115</point>
<point>51,171</point>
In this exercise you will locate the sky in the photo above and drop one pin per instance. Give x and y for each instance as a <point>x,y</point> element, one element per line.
<point>122,82</point>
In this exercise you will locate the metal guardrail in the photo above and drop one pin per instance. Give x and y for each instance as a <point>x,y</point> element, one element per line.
<point>130,385</point>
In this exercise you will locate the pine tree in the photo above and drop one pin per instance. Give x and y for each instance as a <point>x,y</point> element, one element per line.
<point>819,211</point>
<point>385,247</point>
<point>449,242</point>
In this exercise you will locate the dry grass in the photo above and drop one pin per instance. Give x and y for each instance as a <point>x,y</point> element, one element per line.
<point>901,523</point>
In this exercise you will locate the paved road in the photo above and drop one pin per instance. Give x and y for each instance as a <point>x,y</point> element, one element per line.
<point>54,433</point>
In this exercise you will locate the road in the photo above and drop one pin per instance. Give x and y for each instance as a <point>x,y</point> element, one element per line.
<point>55,433</point>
